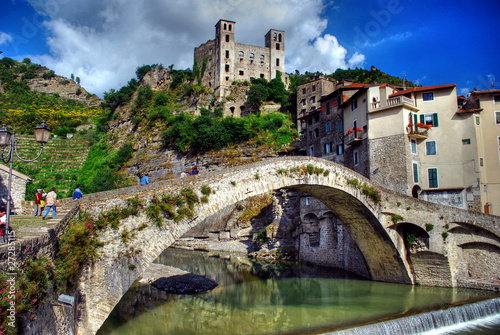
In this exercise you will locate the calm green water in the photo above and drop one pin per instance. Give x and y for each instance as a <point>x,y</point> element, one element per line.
<point>256,298</point>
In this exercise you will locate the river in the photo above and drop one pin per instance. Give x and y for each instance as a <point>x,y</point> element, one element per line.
<point>262,298</point>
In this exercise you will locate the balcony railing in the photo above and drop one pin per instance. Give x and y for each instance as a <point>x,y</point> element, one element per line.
<point>352,137</point>
<point>416,132</point>
<point>396,101</point>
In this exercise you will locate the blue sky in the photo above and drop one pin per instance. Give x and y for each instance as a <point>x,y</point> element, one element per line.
<point>103,42</point>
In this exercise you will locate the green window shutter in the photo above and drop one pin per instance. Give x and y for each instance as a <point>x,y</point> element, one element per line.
<point>435,119</point>
<point>422,119</point>
<point>415,118</point>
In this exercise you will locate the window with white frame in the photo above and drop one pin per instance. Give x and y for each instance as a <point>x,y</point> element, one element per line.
<point>328,148</point>
<point>308,201</point>
<point>428,96</point>
<point>328,126</point>
<point>340,149</point>
<point>430,147</point>
<point>478,120</point>
<point>415,173</point>
<point>497,117</point>
<point>354,104</point>
<point>433,177</point>
<point>356,158</point>
<point>413,144</point>
<point>430,119</point>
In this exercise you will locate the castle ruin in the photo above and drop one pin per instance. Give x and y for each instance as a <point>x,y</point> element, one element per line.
<point>223,61</point>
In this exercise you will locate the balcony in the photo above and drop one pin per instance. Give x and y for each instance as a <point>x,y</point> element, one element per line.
<point>392,102</point>
<point>353,137</point>
<point>418,131</point>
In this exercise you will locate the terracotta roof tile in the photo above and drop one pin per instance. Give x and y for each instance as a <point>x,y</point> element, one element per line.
<point>422,89</point>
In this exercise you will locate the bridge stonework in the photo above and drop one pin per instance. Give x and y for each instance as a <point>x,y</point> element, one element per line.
<point>471,235</point>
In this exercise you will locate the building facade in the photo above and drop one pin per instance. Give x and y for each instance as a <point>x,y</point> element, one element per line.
<point>483,109</point>
<point>223,61</point>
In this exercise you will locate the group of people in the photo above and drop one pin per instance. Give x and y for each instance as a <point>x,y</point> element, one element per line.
<point>50,201</point>
<point>194,171</point>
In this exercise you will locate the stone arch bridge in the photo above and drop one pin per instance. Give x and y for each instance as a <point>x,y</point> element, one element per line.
<point>457,242</point>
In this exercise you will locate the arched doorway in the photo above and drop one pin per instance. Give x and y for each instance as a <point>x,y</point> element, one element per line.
<point>415,191</point>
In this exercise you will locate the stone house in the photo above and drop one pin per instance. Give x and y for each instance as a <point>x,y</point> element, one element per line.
<point>482,109</point>
<point>18,188</point>
<point>222,61</point>
<point>414,141</point>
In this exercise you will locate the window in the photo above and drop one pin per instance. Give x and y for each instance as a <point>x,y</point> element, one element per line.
<point>429,119</point>
<point>328,148</point>
<point>328,108</point>
<point>241,54</point>
<point>279,37</point>
<point>339,127</point>
<point>356,158</point>
<point>485,188</point>
<point>277,46</point>
<point>354,104</point>
<point>340,149</point>
<point>430,147</point>
<point>433,177</point>
<point>415,173</point>
<point>466,141</point>
<point>308,201</point>
<point>227,78</point>
<point>225,26</point>
<point>481,161</point>
<point>316,132</point>
<point>262,75</point>
<point>227,53</point>
<point>313,100</point>
<point>252,56</point>
<point>230,26</point>
<point>328,126</point>
<point>478,120</point>
<point>496,99</point>
<point>277,62</point>
<point>262,58</point>
<point>304,90</point>
<point>311,150</point>
<point>413,146</point>
<point>316,118</point>
<point>241,73</point>
<point>227,67</point>
<point>314,88</point>
<point>303,102</point>
<point>497,117</point>
<point>227,38</point>
<point>310,121</point>
<point>428,96</point>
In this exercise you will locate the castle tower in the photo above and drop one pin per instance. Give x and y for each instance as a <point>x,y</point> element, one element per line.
<point>275,41</point>
<point>224,55</point>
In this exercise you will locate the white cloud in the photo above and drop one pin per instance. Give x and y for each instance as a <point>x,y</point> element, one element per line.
<point>464,91</point>
<point>393,38</point>
<point>103,42</point>
<point>5,38</point>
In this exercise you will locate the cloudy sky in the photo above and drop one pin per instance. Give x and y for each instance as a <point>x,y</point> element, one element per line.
<point>103,42</point>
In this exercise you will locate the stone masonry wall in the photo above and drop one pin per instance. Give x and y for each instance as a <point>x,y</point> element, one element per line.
<point>387,155</point>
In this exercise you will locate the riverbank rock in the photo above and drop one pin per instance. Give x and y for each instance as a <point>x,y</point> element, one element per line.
<point>176,281</point>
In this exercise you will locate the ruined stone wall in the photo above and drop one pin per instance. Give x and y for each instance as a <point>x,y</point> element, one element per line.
<point>387,157</point>
<point>322,239</point>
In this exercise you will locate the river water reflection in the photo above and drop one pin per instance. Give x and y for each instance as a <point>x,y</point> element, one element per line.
<point>257,298</point>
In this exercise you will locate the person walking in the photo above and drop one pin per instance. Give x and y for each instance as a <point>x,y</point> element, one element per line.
<point>194,170</point>
<point>38,199</point>
<point>50,202</point>
<point>3,219</point>
<point>77,193</point>
<point>145,179</point>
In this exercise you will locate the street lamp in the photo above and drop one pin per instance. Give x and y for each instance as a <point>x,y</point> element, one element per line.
<point>7,139</point>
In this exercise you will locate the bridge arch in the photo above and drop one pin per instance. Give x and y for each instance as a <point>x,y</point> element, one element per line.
<point>366,219</point>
